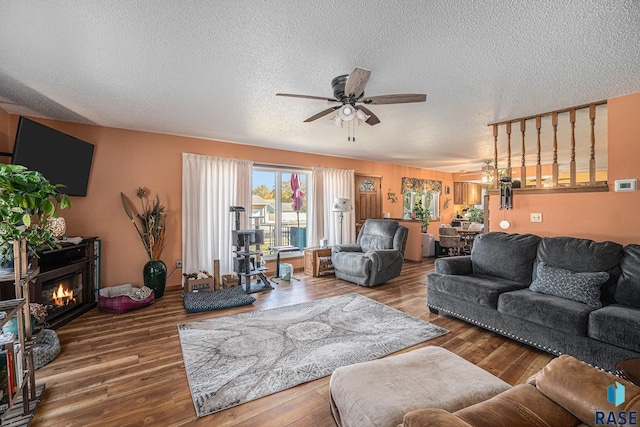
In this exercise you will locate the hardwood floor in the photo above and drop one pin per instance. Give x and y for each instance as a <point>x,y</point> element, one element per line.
<point>127,369</point>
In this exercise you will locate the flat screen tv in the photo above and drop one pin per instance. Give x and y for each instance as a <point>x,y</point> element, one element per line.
<point>61,158</point>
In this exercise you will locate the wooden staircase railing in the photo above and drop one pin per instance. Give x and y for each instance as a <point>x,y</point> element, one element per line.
<point>554,181</point>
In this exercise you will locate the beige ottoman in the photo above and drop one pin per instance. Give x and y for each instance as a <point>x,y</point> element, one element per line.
<point>378,393</point>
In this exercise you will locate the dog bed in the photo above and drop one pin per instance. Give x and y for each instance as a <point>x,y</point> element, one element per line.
<point>46,349</point>
<point>195,302</point>
<point>123,298</point>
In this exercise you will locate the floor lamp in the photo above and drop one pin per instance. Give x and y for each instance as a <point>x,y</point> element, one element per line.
<point>341,205</point>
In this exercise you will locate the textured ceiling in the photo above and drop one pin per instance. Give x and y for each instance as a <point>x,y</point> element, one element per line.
<point>212,69</point>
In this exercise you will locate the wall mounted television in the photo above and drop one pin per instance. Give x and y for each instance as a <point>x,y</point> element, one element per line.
<point>61,158</point>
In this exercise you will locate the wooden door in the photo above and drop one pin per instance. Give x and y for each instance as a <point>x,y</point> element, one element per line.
<point>368,203</point>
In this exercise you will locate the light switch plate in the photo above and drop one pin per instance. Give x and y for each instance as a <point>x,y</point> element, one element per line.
<point>535,217</point>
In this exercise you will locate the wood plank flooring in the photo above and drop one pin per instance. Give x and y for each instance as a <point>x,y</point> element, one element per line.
<point>127,369</point>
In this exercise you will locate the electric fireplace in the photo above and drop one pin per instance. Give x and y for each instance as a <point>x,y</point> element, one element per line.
<point>66,283</point>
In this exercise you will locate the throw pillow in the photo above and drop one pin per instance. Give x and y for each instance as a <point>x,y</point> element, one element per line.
<point>581,287</point>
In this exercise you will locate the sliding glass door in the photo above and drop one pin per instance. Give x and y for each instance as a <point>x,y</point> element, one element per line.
<point>279,206</point>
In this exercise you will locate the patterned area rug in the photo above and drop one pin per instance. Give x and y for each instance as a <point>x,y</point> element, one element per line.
<point>235,359</point>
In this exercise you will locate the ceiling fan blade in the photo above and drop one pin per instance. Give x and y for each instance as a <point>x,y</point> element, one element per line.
<point>356,82</point>
<point>399,98</point>
<point>373,119</point>
<point>322,98</point>
<point>321,114</point>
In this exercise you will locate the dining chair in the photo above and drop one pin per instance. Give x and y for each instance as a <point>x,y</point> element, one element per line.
<point>450,239</point>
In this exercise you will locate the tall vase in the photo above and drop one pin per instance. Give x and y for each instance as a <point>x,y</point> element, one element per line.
<point>155,276</point>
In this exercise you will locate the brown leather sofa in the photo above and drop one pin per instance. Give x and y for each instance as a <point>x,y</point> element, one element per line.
<point>566,392</point>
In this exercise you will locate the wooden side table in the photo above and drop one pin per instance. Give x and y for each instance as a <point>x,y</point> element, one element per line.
<point>317,261</point>
<point>629,369</point>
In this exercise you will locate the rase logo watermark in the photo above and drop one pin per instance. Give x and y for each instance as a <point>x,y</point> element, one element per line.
<point>615,396</point>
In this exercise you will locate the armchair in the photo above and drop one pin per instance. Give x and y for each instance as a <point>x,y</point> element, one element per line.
<point>377,255</point>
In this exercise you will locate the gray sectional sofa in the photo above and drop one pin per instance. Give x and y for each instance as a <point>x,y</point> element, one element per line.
<point>563,295</point>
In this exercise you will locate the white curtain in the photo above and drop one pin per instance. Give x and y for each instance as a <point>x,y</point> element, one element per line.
<point>210,185</point>
<point>327,185</point>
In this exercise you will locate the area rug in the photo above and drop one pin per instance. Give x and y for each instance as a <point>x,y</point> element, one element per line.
<point>235,359</point>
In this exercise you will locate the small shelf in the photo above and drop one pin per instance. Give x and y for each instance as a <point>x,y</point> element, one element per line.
<point>14,416</point>
<point>254,271</point>
<point>317,262</point>
<point>10,307</point>
<point>246,252</point>
<point>26,396</point>
<point>31,274</point>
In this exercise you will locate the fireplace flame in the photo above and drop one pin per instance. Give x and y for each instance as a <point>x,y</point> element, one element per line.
<point>63,296</point>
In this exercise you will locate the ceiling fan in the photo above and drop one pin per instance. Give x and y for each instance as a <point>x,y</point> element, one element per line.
<point>348,91</point>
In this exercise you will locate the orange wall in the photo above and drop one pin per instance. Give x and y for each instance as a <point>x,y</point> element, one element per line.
<point>125,160</point>
<point>598,216</point>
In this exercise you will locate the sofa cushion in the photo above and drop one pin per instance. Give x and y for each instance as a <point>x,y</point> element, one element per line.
<point>509,256</point>
<point>523,405</point>
<point>628,288</point>
<point>616,324</point>
<point>554,312</point>
<point>583,255</point>
<point>581,389</point>
<point>479,289</point>
<point>581,287</point>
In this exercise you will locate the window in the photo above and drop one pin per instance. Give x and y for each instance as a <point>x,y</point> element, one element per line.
<point>430,201</point>
<point>275,207</point>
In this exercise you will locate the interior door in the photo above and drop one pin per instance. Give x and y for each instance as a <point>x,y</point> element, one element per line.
<point>368,203</point>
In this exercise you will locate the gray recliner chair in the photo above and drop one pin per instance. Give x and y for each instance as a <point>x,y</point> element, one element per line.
<point>376,257</point>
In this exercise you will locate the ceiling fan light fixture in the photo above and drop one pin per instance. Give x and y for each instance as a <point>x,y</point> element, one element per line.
<point>347,113</point>
<point>336,120</point>
<point>361,116</point>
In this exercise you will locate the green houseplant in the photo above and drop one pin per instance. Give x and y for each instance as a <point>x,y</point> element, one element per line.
<point>422,213</point>
<point>476,215</point>
<point>27,203</point>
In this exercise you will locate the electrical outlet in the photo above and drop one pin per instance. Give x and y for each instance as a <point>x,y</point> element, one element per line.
<point>178,263</point>
<point>535,217</point>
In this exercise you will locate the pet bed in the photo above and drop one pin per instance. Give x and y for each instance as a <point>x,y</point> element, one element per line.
<point>235,296</point>
<point>123,298</point>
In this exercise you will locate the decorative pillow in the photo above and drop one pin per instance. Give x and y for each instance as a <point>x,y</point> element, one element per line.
<point>581,287</point>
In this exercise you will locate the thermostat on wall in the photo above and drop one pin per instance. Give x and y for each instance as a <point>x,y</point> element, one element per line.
<point>626,184</point>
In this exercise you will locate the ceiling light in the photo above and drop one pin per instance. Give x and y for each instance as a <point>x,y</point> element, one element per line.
<point>361,116</point>
<point>347,113</point>
<point>487,172</point>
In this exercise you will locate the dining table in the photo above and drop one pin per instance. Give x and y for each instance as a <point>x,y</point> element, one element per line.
<point>468,234</point>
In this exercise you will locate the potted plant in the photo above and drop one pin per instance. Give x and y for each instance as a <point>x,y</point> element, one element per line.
<point>27,203</point>
<point>426,220</point>
<point>476,215</point>
<point>150,224</point>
